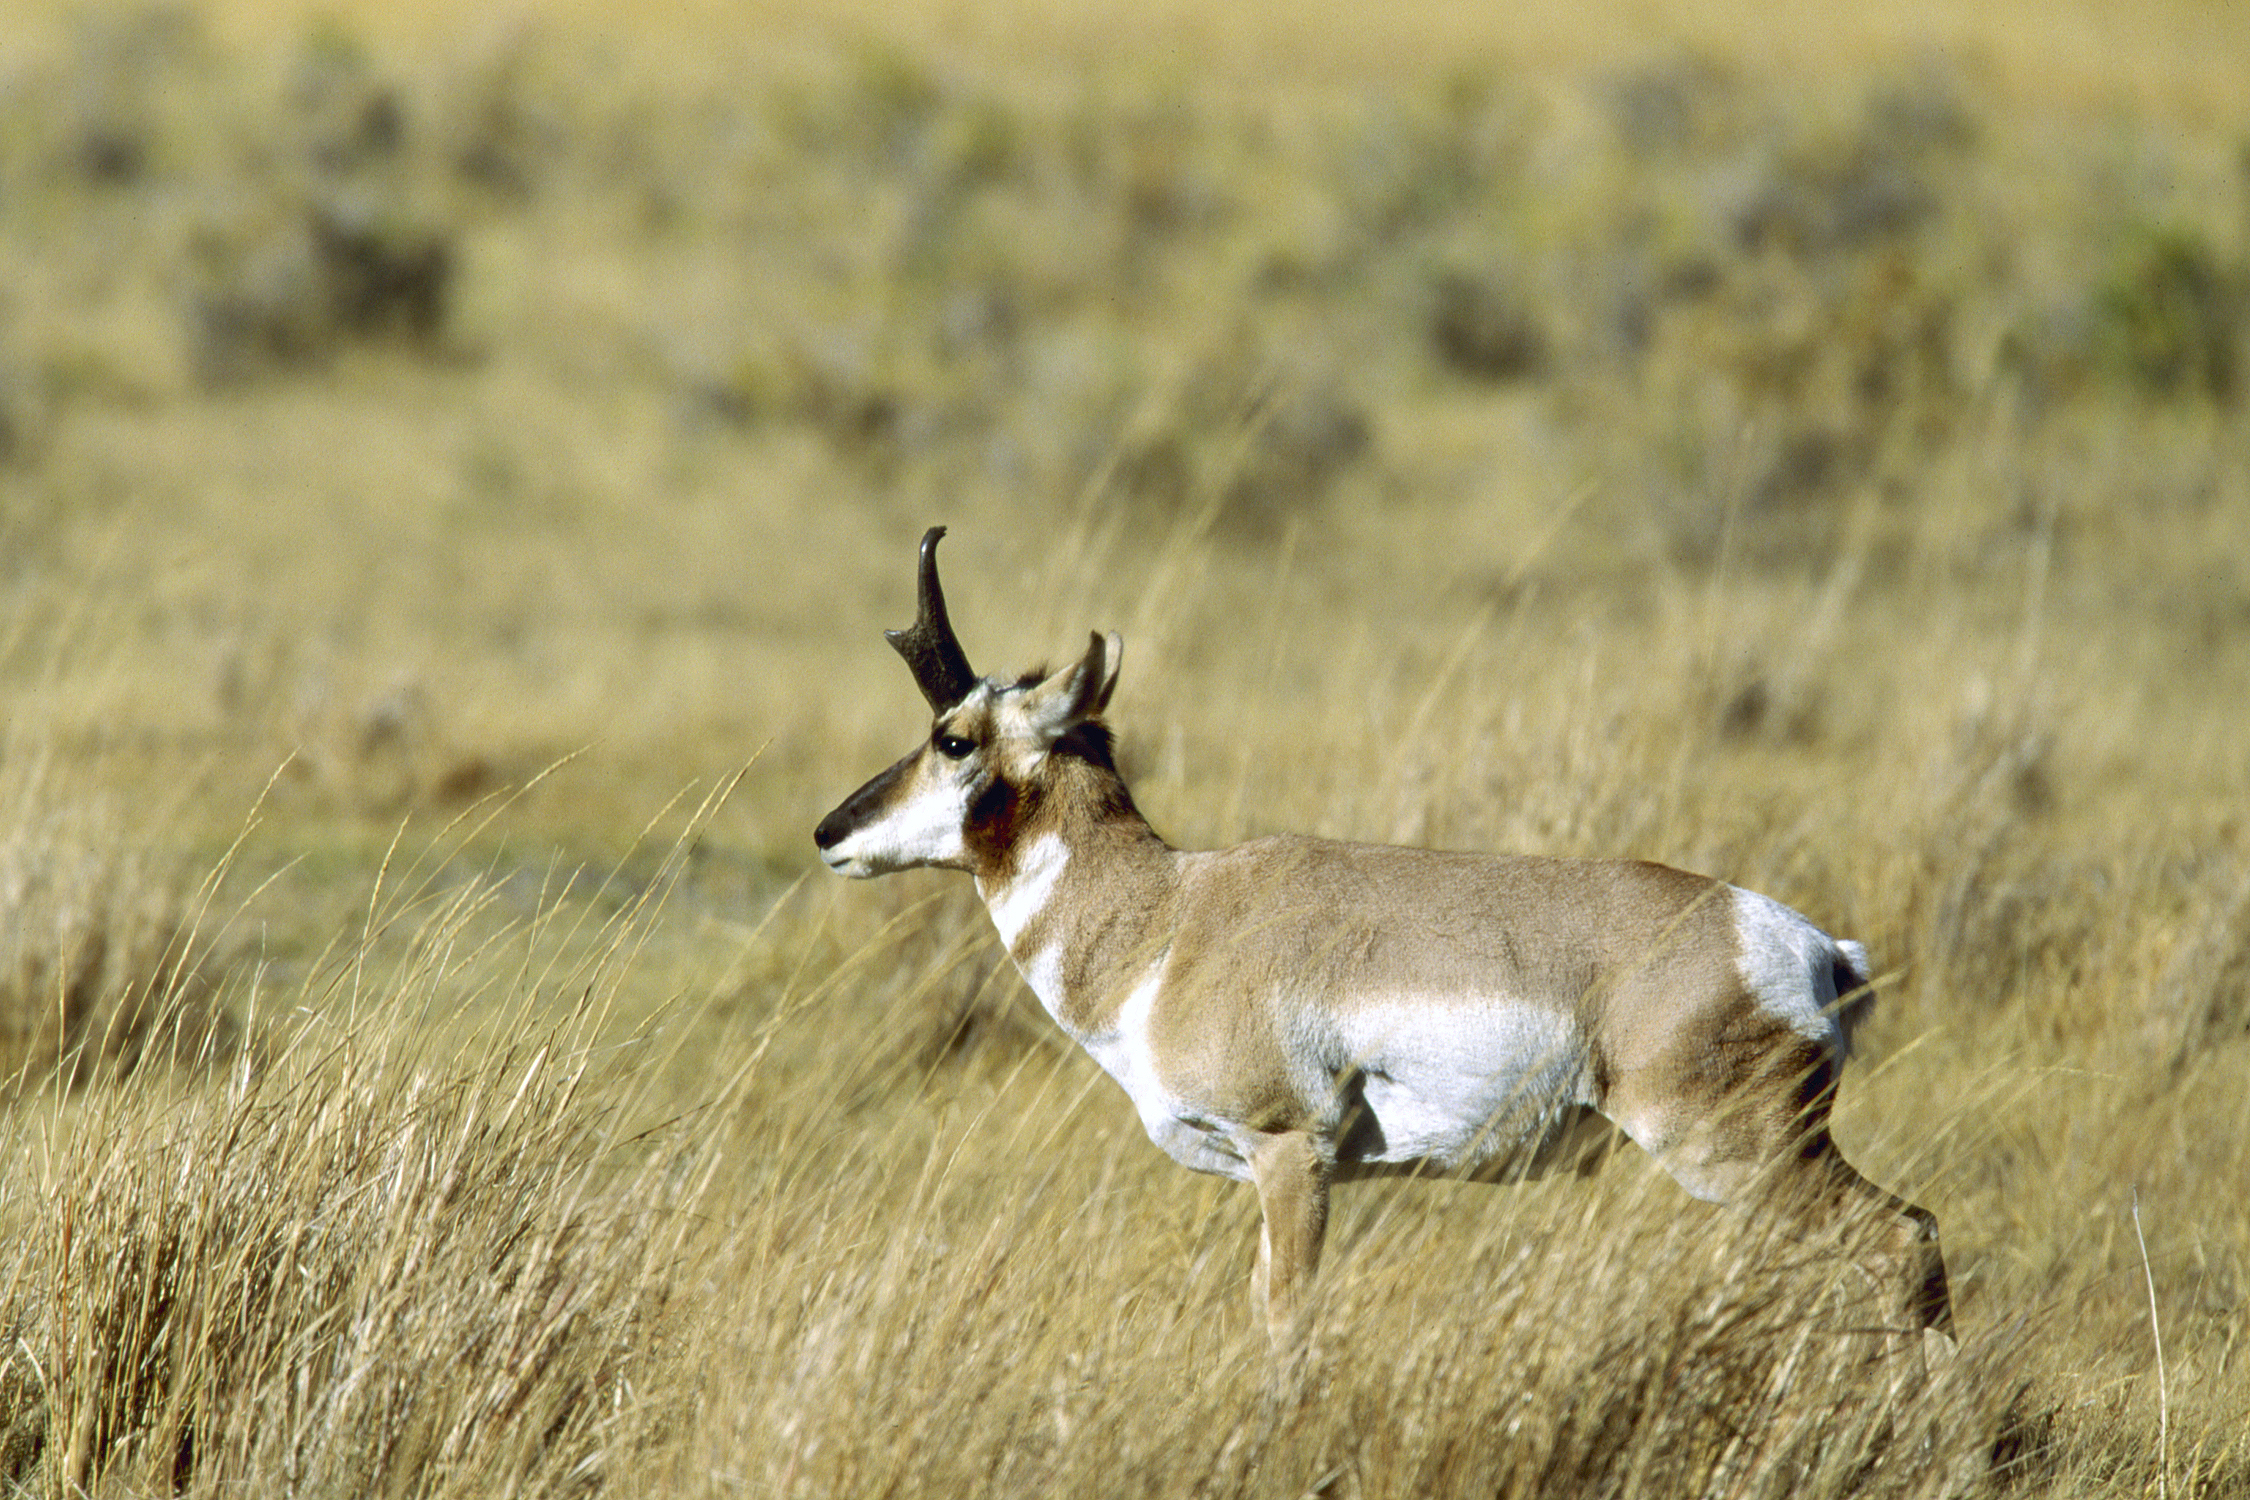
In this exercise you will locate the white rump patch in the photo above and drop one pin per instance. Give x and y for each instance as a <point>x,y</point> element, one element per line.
<point>1014,905</point>
<point>1789,966</point>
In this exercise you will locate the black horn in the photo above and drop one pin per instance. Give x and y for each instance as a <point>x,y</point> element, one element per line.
<point>933,653</point>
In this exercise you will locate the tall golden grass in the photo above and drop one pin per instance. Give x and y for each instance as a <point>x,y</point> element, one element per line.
<point>418,466</point>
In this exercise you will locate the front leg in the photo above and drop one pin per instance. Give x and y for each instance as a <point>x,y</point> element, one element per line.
<point>1292,1169</point>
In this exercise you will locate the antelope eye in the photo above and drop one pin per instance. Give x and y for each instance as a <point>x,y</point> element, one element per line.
<point>953,747</point>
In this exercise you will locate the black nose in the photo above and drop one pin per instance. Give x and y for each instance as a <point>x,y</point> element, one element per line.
<point>861,807</point>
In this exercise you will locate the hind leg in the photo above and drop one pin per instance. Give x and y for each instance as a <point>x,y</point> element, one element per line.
<point>1767,1151</point>
<point>1894,1240</point>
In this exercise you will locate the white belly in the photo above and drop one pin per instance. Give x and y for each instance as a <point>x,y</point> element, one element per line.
<point>1455,1083</point>
<point>1449,1082</point>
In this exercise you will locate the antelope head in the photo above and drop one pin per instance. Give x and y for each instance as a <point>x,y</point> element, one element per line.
<point>954,799</point>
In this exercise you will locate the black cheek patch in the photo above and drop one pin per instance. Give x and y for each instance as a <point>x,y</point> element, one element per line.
<point>990,830</point>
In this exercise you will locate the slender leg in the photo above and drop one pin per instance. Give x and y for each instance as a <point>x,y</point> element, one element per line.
<point>1292,1173</point>
<point>1895,1244</point>
<point>1897,1241</point>
<point>1781,1159</point>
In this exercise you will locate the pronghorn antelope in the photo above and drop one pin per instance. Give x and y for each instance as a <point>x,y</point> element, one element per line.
<point>1293,1010</point>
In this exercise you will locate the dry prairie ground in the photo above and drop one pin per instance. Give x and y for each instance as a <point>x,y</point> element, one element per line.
<point>449,489</point>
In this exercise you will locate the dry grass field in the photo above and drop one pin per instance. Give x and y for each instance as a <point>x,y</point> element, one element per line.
<point>451,481</point>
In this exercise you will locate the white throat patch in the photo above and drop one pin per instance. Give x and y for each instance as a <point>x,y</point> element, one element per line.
<point>1025,895</point>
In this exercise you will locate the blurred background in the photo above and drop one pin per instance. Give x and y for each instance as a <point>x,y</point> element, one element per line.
<point>1805,444</point>
<point>426,397</point>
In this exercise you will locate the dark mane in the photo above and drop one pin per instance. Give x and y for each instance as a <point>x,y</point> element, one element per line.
<point>1092,742</point>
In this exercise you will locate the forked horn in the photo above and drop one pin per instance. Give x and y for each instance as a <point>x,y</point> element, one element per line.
<point>933,653</point>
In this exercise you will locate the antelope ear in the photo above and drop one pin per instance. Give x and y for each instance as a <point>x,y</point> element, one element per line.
<point>1078,692</point>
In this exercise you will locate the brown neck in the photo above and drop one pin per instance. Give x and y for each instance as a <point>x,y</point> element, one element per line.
<point>1080,798</point>
<point>1084,892</point>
